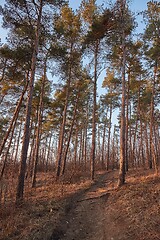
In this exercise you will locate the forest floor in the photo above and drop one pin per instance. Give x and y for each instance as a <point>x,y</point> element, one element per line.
<point>87,210</point>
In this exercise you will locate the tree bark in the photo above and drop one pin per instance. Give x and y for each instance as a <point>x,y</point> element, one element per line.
<point>26,137</point>
<point>18,143</point>
<point>14,119</point>
<point>48,152</point>
<point>152,123</point>
<point>39,125</point>
<point>62,131</point>
<point>69,137</point>
<point>121,179</point>
<point>75,147</point>
<point>93,149</point>
<point>7,151</point>
<point>127,123</point>
<point>109,136</point>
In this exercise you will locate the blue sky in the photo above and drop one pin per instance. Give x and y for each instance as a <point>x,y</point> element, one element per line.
<point>136,6</point>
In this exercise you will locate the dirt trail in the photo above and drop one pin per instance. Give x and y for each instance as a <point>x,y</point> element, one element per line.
<point>97,211</point>
<point>105,212</point>
<point>85,215</point>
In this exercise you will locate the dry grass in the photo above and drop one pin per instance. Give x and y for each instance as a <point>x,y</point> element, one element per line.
<point>132,211</point>
<point>135,208</point>
<point>41,211</point>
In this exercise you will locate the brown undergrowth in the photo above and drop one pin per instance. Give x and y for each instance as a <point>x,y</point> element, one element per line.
<point>135,208</point>
<point>127,213</point>
<point>42,207</point>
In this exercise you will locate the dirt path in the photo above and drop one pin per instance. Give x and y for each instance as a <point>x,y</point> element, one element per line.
<point>85,215</point>
<point>97,211</point>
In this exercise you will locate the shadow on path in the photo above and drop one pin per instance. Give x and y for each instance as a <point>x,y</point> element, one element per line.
<point>83,214</point>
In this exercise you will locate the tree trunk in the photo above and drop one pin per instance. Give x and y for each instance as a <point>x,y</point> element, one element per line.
<point>39,125</point>
<point>14,119</point>
<point>121,179</point>
<point>85,136</point>
<point>75,147</point>
<point>109,136</point>
<point>147,146</point>
<point>152,124</point>
<point>7,151</point>
<point>32,149</point>
<point>80,147</point>
<point>127,122</point>
<point>133,158</point>
<point>17,144</point>
<point>48,152</point>
<point>103,140</point>
<point>69,137</point>
<point>62,131</point>
<point>25,144</point>
<point>93,149</point>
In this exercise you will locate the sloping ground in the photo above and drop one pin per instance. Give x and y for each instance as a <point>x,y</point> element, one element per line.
<point>89,211</point>
<point>133,212</point>
<point>107,213</point>
<point>85,215</point>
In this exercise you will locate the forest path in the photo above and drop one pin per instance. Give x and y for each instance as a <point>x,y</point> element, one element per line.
<point>85,215</point>
<point>89,211</point>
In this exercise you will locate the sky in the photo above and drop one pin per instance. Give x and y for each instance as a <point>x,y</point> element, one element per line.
<point>136,6</point>
<point>3,32</point>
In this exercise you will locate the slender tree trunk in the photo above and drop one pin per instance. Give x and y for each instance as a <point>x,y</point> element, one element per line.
<point>39,125</point>
<point>85,136</point>
<point>147,146</point>
<point>127,122</point>
<point>7,151</point>
<point>157,145</point>
<point>109,136</point>
<point>25,144</point>
<point>85,146</point>
<point>13,149</point>
<point>93,149</point>
<point>14,119</point>
<point>152,123</point>
<point>98,148</point>
<point>80,147</point>
<point>113,149</point>
<point>69,137</point>
<point>130,138</point>
<point>62,131</point>
<point>142,144</point>
<point>32,149</point>
<point>43,153</point>
<point>133,158</point>
<point>121,179</point>
<point>103,140</point>
<point>75,147</point>
<point>48,152</point>
<point>17,144</point>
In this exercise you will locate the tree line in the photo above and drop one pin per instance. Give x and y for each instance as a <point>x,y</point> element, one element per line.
<point>57,122</point>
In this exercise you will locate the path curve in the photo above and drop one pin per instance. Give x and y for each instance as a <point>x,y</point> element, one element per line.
<point>85,215</point>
